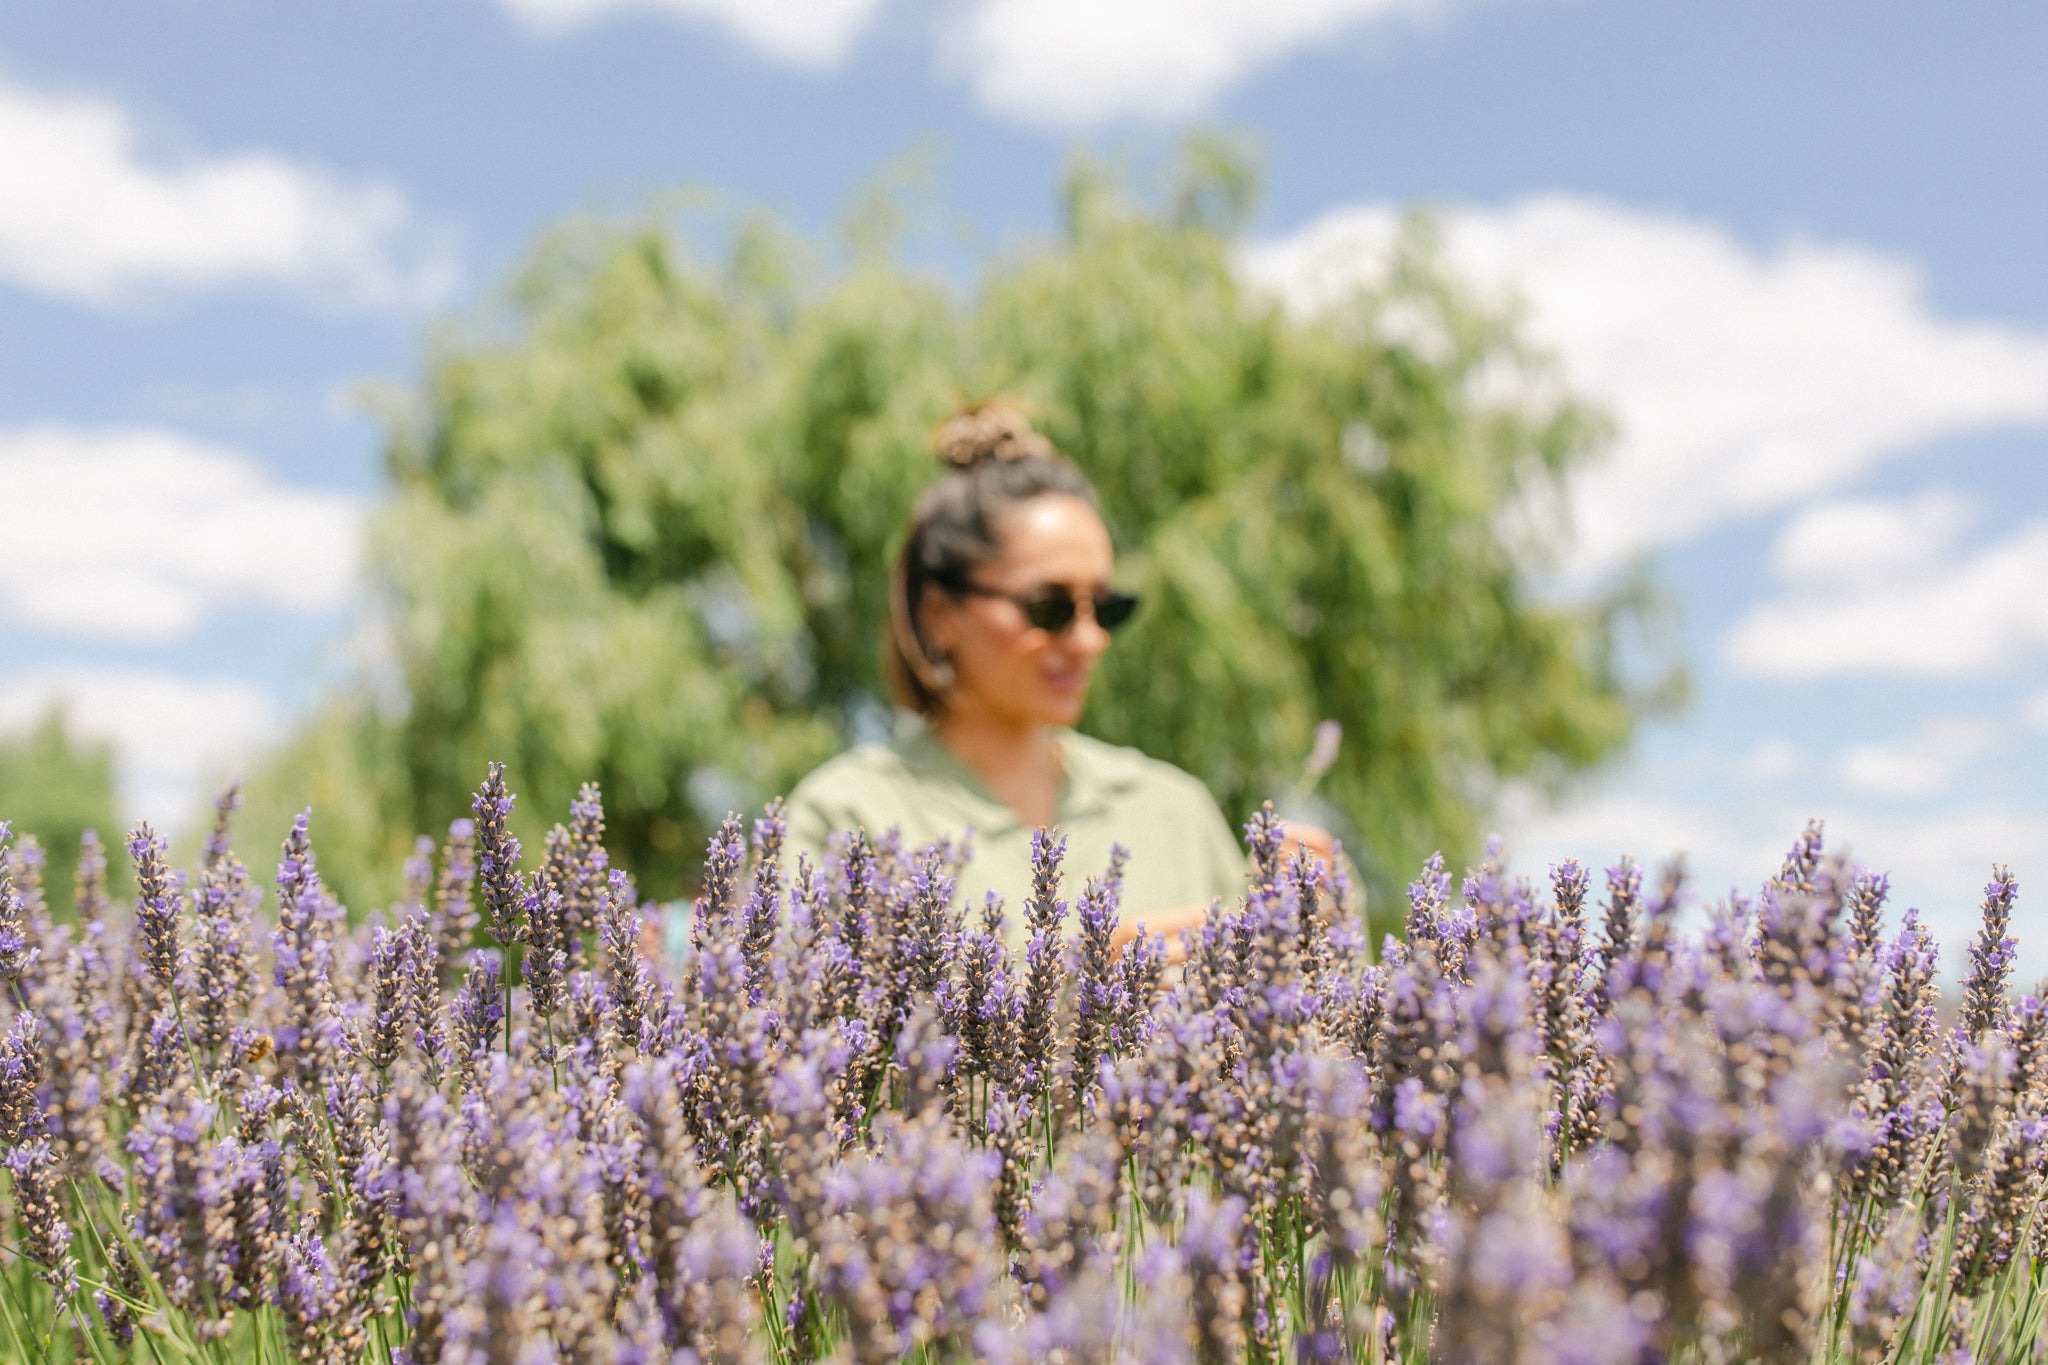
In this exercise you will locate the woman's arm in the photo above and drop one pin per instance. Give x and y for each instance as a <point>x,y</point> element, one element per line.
<point>1178,920</point>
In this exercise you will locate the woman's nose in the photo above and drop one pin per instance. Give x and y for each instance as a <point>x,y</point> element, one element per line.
<point>1086,635</point>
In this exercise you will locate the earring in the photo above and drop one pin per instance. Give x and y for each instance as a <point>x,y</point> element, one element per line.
<point>941,664</point>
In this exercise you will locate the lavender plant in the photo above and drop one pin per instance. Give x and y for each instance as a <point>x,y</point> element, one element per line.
<point>855,1126</point>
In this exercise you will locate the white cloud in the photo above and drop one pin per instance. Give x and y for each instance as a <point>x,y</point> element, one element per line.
<point>139,534</point>
<point>174,737</point>
<point>1931,615</point>
<point>1743,381</point>
<point>1923,763</point>
<point>89,212</point>
<point>1078,63</point>
<point>1770,760</point>
<point>1871,542</point>
<point>809,33</point>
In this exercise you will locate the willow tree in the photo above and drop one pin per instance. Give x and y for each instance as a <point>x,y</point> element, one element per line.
<point>637,532</point>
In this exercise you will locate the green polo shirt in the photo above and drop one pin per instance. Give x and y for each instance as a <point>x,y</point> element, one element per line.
<point>1183,851</point>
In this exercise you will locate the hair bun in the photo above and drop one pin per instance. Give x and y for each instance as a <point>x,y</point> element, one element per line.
<point>995,430</point>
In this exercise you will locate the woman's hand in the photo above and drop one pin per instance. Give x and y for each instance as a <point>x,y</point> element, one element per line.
<point>1182,920</point>
<point>1321,843</point>
<point>1174,923</point>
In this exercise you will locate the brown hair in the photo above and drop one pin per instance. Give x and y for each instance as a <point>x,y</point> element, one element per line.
<point>994,460</point>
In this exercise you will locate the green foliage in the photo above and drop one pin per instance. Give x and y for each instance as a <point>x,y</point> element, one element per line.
<point>641,537</point>
<point>55,786</point>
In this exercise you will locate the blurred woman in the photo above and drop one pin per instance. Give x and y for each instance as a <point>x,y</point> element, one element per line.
<point>1000,604</point>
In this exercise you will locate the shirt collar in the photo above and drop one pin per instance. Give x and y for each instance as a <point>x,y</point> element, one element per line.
<point>1087,791</point>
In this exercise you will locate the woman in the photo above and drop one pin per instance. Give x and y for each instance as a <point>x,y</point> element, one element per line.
<point>1000,605</point>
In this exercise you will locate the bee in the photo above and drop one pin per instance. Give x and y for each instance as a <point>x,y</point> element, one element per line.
<point>256,1049</point>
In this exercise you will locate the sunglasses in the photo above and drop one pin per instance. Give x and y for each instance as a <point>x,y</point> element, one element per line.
<point>1053,608</point>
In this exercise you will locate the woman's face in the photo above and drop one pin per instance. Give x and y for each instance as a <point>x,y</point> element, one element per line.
<point>1003,666</point>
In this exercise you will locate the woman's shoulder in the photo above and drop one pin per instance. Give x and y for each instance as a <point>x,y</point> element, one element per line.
<point>851,774</point>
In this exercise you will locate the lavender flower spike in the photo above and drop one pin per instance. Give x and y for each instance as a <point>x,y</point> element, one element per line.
<point>156,905</point>
<point>1991,956</point>
<point>498,858</point>
<point>17,957</point>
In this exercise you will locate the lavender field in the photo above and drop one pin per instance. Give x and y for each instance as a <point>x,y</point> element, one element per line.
<point>485,1126</point>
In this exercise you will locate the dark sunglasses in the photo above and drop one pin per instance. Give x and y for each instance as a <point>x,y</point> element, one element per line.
<point>1053,608</point>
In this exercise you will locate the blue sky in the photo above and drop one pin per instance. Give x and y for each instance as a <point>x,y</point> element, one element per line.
<point>1798,250</point>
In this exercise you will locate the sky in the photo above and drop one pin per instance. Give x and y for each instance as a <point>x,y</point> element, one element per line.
<point>1797,251</point>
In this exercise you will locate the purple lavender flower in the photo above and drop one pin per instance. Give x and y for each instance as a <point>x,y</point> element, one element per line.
<point>498,858</point>
<point>761,916</point>
<point>17,955</point>
<point>1044,954</point>
<point>1213,1250</point>
<point>1991,955</point>
<point>626,977</point>
<point>156,906</point>
<point>38,1211</point>
<point>455,918</point>
<point>905,1253</point>
<point>220,984</point>
<point>1867,893</point>
<point>1427,897</point>
<point>1618,932</point>
<point>1266,837</point>
<point>724,861</point>
<point>21,1077</point>
<point>475,1014</point>
<point>302,954</point>
<point>548,931</point>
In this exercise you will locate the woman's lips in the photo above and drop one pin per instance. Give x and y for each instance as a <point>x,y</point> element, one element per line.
<point>1066,680</point>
